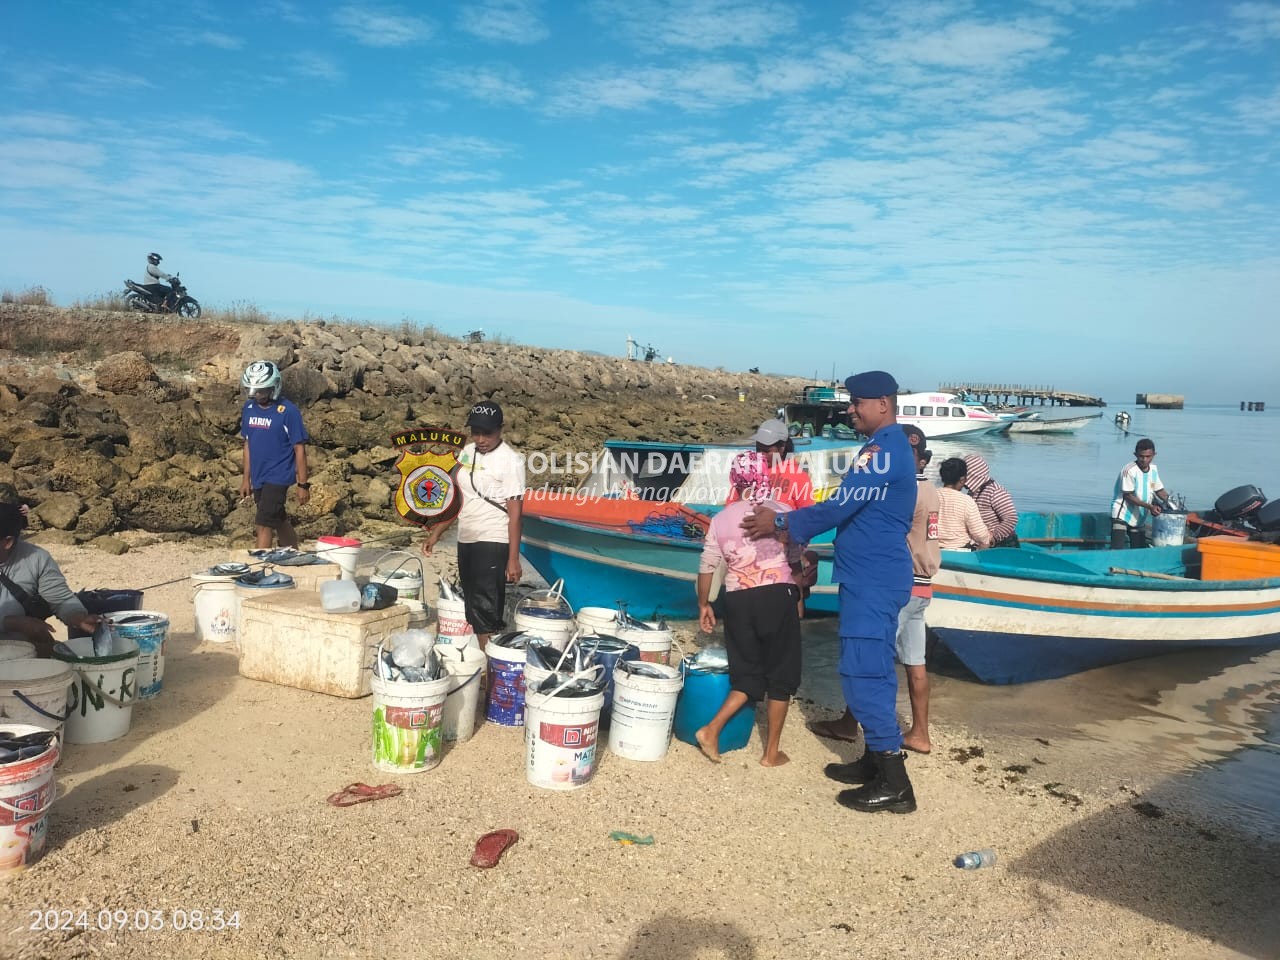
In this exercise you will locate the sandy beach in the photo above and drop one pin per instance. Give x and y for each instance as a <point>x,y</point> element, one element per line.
<point>215,800</point>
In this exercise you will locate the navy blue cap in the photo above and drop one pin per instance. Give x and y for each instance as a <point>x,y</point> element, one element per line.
<point>871,384</point>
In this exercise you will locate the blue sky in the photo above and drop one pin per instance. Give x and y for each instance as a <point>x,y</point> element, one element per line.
<point>1076,192</point>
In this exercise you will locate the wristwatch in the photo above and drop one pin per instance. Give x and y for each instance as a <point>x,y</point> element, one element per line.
<point>780,522</point>
<point>304,486</point>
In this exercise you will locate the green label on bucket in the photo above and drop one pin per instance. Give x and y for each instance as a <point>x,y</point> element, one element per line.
<point>407,736</point>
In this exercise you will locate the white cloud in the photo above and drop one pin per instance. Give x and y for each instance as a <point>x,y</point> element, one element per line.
<point>214,38</point>
<point>1255,23</point>
<point>504,21</point>
<point>492,84</point>
<point>446,150</point>
<point>698,24</point>
<point>40,124</point>
<point>315,66</point>
<point>1260,114</point>
<point>974,46</point>
<point>381,27</point>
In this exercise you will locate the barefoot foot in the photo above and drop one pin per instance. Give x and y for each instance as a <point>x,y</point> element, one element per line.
<point>916,742</point>
<point>708,744</point>
<point>777,760</point>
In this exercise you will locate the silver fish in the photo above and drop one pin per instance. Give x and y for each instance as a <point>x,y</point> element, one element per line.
<point>712,658</point>
<point>104,638</point>
<point>638,668</point>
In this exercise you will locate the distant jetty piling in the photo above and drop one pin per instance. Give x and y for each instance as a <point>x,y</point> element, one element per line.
<point>1014,394</point>
<point>1258,405</point>
<point>1160,401</point>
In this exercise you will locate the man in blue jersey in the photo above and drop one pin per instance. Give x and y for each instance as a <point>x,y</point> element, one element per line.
<point>275,453</point>
<point>871,512</point>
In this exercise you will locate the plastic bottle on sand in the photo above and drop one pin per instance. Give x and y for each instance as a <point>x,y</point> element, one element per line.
<point>978,858</point>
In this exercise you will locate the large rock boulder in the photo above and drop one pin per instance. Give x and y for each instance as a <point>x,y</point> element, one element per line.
<point>127,372</point>
<point>60,510</point>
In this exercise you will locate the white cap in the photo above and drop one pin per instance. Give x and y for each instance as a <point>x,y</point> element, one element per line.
<point>770,432</point>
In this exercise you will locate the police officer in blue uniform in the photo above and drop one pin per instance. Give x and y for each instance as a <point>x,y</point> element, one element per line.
<point>871,512</point>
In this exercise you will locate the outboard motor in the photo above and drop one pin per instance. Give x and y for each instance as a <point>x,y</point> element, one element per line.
<point>1238,504</point>
<point>1267,519</point>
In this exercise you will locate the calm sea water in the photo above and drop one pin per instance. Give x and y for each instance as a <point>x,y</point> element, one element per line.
<point>1202,452</point>
<point>1198,732</point>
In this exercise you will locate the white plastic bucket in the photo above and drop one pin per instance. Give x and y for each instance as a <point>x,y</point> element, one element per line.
<point>344,551</point>
<point>16,650</point>
<point>408,584</point>
<point>654,645</point>
<point>35,693</point>
<point>149,633</point>
<point>451,619</point>
<point>466,667</point>
<point>560,740</point>
<point>102,692</point>
<point>27,792</point>
<point>216,609</point>
<point>504,702</point>
<point>598,620</point>
<point>556,631</point>
<point>407,722</point>
<point>644,710</point>
<point>1169,529</point>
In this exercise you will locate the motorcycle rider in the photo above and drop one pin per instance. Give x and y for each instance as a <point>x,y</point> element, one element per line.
<point>154,275</point>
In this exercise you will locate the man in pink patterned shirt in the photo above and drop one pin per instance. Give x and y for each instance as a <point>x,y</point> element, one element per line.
<point>761,616</point>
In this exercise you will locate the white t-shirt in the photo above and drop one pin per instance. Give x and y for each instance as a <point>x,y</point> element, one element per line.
<point>499,476</point>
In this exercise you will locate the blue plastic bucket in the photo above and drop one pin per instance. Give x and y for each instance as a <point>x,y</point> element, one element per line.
<point>148,630</point>
<point>106,601</point>
<point>703,693</point>
<point>504,703</point>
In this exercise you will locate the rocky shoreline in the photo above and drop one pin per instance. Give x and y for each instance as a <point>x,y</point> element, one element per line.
<point>104,441</point>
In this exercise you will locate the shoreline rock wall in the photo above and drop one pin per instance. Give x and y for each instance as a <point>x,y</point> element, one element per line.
<point>117,422</point>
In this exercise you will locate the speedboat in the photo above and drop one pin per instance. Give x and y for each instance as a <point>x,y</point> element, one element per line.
<point>948,415</point>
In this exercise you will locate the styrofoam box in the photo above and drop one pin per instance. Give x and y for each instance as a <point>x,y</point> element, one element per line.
<point>290,640</point>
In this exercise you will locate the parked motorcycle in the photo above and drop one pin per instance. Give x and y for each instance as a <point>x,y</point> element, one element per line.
<point>175,299</point>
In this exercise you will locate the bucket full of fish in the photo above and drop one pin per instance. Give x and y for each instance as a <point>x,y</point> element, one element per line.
<point>451,616</point>
<point>542,660</point>
<point>650,639</point>
<point>606,651</point>
<point>466,667</point>
<point>1169,528</point>
<point>644,709</point>
<point>546,614</point>
<point>27,757</point>
<point>410,684</point>
<point>35,692</point>
<point>148,630</point>
<point>104,685</point>
<point>408,583</point>
<point>504,703</point>
<point>706,684</point>
<point>562,728</point>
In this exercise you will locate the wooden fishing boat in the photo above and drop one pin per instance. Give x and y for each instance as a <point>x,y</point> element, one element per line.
<point>1036,424</point>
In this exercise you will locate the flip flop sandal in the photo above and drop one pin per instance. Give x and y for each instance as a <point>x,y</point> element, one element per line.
<point>490,847</point>
<point>823,729</point>
<point>362,793</point>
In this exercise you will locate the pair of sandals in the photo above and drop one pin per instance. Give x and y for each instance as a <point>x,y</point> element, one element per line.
<point>489,848</point>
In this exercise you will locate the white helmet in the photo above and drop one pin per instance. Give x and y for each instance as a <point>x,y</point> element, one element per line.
<point>262,375</point>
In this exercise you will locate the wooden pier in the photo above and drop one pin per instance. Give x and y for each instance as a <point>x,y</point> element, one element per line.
<point>1160,401</point>
<point>1015,394</point>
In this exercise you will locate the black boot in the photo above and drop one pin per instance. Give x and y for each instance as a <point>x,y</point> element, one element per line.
<point>890,790</point>
<point>862,770</point>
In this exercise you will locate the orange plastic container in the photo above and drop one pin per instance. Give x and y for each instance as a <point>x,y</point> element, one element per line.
<point>1230,558</point>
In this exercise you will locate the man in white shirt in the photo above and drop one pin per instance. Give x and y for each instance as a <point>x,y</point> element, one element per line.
<point>1137,489</point>
<point>490,478</point>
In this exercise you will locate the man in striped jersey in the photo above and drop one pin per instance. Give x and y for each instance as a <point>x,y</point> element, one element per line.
<point>1137,489</point>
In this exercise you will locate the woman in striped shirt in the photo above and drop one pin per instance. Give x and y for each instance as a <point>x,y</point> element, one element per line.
<point>994,502</point>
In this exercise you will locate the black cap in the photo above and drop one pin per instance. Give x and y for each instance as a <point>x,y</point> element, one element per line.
<point>915,437</point>
<point>485,415</point>
<point>871,384</point>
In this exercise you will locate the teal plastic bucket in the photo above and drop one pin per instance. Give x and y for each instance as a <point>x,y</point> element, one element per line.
<point>704,691</point>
